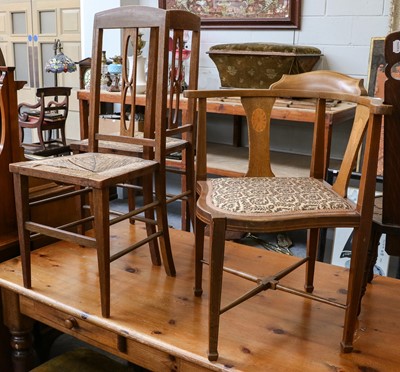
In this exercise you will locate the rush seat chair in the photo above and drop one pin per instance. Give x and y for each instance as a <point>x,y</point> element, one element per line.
<point>93,172</point>
<point>263,202</point>
<point>184,40</point>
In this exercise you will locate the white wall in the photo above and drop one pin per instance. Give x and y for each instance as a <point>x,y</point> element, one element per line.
<point>342,29</point>
<point>88,9</point>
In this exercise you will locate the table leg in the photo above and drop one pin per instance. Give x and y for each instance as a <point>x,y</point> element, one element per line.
<point>5,347</point>
<point>84,118</point>
<point>237,130</point>
<point>20,327</point>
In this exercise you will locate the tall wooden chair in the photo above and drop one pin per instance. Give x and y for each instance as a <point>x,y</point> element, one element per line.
<point>261,202</point>
<point>47,115</point>
<point>94,173</point>
<point>180,130</point>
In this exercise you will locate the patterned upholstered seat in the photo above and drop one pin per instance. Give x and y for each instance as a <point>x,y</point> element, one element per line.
<point>270,195</point>
<point>261,202</point>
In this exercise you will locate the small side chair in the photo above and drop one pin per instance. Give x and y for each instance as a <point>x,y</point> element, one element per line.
<point>179,122</point>
<point>93,173</point>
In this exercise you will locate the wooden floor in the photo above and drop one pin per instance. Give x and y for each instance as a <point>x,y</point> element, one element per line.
<point>274,331</point>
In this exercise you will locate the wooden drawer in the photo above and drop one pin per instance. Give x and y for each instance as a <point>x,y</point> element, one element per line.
<point>71,324</point>
<point>140,353</point>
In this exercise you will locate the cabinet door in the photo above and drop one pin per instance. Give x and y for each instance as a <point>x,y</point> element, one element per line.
<point>28,29</point>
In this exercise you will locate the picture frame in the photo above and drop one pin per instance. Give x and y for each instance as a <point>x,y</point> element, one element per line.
<point>376,82</point>
<point>238,14</point>
<point>376,74</point>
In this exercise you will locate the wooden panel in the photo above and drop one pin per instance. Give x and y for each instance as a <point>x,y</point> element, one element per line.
<point>3,21</point>
<point>70,21</point>
<point>166,326</point>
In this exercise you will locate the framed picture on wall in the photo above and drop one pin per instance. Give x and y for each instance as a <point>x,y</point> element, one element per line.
<point>255,14</point>
<point>376,82</point>
<point>376,68</point>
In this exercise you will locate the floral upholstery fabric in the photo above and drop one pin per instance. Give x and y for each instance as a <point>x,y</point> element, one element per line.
<point>253,195</point>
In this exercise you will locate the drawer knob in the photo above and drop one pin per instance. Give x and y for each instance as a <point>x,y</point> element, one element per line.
<point>71,323</point>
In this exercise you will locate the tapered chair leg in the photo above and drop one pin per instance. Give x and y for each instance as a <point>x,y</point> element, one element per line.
<point>356,276</point>
<point>21,191</point>
<point>149,214</point>
<point>190,184</point>
<point>217,250</point>
<point>312,247</point>
<point>131,203</point>
<point>199,256</point>
<point>100,206</point>
<point>162,223</point>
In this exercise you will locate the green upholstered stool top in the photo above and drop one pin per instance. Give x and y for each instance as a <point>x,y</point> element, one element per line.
<point>82,360</point>
<point>258,65</point>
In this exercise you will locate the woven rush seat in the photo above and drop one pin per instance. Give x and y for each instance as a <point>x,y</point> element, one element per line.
<point>255,195</point>
<point>127,148</point>
<point>86,167</point>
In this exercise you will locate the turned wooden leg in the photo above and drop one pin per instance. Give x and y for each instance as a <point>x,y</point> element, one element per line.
<point>20,327</point>
<point>5,347</point>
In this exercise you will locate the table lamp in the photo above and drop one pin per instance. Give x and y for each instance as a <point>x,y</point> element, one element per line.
<point>60,62</point>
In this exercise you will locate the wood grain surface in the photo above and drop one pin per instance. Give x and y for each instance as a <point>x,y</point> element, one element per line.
<point>164,327</point>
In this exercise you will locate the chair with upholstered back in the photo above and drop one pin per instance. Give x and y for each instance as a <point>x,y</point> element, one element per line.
<point>94,172</point>
<point>184,33</point>
<point>263,202</point>
<point>47,115</point>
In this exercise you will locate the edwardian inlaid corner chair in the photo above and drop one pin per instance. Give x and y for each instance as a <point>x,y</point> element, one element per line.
<point>184,40</point>
<point>261,202</point>
<point>47,115</point>
<point>93,172</point>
